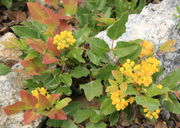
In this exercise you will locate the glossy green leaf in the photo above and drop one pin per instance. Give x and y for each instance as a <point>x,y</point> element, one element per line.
<point>4,69</point>
<point>76,53</point>
<point>98,47</point>
<point>68,124</point>
<point>123,49</point>
<point>82,114</point>
<point>96,125</point>
<point>54,123</point>
<point>92,89</point>
<point>113,118</point>
<point>171,79</point>
<point>151,103</point>
<point>154,91</point>
<point>96,116</point>
<point>172,104</point>
<point>107,107</point>
<point>79,72</point>
<point>118,28</point>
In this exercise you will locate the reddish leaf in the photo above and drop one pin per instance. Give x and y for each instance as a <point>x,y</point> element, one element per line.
<point>36,10</point>
<point>62,15</point>
<point>28,99</point>
<point>70,6</point>
<point>14,108</point>
<point>52,47</point>
<point>53,3</point>
<point>63,25</point>
<point>57,114</point>
<point>43,102</point>
<point>37,45</point>
<point>53,98</point>
<point>30,116</point>
<point>49,59</point>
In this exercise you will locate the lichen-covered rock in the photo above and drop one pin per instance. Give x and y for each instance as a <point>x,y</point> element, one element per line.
<point>9,94</point>
<point>5,53</point>
<point>156,24</point>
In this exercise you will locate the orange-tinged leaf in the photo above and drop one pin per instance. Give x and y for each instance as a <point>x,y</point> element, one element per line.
<point>117,75</point>
<point>52,47</point>
<point>63,25</point>
<point>14,108</point>
<point>30,116</point>
<point>43,102</point>
<point>168,46</point>
<point>53,98</point>
<point>37,45</point>
<point>49,59</point>
<point>53,3</point>
<point>28,99</point>
<point>36,11</point>
<point>70,6</point>
<point>62,103</point>
<point>57,114</point>
<point>107,21</point>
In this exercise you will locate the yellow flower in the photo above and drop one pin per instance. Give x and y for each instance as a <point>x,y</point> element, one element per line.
<point>147,49</point>
<point>64,40</point>
<point>38,91</point>
<point>159,86</point>
<point>151,114</point>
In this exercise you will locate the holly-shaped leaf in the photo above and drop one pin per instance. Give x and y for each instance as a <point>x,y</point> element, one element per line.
<point>79,72</point>
<point>92,89</point>
<point>43,102</point>
<point>168,46</point>
<point>76,53</point>
<point>118,28</point>
<point>107,107</point>
<point>15,108</point>
<point>52,47</point>
<point>151,103</point>
<point>28,99</point>
<point>49,59</point>
<point>82,114</point>
<point>70,6</point>
<point>57,114</point>
<point>62,103</point>
<point>4,69</point>
<point>30,116</point>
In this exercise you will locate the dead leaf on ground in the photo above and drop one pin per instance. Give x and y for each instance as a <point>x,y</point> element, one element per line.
<point>160,124</point>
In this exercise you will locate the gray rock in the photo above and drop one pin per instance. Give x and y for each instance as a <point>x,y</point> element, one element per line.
<point>5,53</point>
<point>9,94</point>
<point>156,24</point>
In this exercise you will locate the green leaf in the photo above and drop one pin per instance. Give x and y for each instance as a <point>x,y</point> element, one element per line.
<point>93,58</point>
<point>96,125</point>
<point>62,103</point>
<point>98,47</point>
<point>103,73</point>
<point>72,108</point>
<point>154,91</point>
<point>65,90</point>
<point>168,46</point>
<point>123,49</point>
<point>66,79</point>
<point>82,114</point>
<point>68,124</point>
<point>7,3</point>
<point>92,89</point>
<point>54,123</point>
<point>113,118</point>
<point>79,72</point>
<point>151,103</point>
<point>171,79</point>
<point>118,76</point>
<point>96,116</point>
<point>4,69</point>
<point>76,53</point>
<point>118,28</point>
<point>131,90</point>
<point>107,107</point>
<point>172,104</point>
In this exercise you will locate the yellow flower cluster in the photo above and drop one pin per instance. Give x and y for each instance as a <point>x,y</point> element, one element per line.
<point>38,91</point>
<point>141,73</point>
<point>64,40</point>
<point>151,114</point>
<point>120,101</point>
<point>147,49</point>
